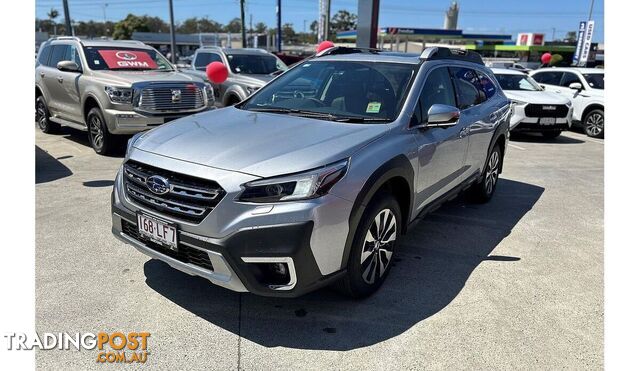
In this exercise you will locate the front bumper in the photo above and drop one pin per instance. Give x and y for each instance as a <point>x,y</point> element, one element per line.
<point>131,122</point>
<point>520,122</point>
<point>235,238</point>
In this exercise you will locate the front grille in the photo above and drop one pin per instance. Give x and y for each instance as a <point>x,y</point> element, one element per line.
<point>546,110</point>
<point>189,198</point>
<point>161,98</point>
<point>185,254</point>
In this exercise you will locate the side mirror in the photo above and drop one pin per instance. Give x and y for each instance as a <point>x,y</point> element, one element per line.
<point>575,86</point>
<point>441,116</point>
<point>68,66</point>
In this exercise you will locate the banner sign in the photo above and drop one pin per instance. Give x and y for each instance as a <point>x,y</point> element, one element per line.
<point>580,39</point>
<point>122,59</point>
<point>586,44</point>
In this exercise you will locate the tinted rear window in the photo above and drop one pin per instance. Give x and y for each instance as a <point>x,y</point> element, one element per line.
<point>44,55</point>
<point>58,54</point>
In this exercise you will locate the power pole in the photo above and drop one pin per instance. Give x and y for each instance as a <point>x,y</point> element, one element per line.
<point>591,10</point>
<point>67,18</point>
<point>243,31</point>
<point>279,21</point>
<point>172,32</point>
<point>327,19</point>
<point>104,12</point>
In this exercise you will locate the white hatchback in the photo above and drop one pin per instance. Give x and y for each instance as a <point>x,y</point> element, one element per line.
<point>534,109</point>
<point>584,87</point>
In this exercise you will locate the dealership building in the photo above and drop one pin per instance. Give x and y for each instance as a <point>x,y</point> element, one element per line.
<point>528,47</point>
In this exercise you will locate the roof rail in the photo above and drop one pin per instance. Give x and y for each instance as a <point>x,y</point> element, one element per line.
<point>137,42</point>
<point>437,52</point>
<point>74,38</point>
<point>346,50</point>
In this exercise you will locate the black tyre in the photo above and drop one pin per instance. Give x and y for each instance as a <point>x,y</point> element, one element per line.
<point>551,134</point>
<point>484,190</point>
<point>42,117</point>
<point>232,100</point>
<point>593,123</point>
<point>101,140</point>
<point>373,246</point>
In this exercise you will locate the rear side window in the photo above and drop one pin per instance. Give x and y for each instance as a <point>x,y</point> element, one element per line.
<point>44,55</point>
<point>486,85</point>
<point>58,54</point>
<point>467,86</point>
<point>551,78</point>
<point>203,59</point>
<point>438,89</point>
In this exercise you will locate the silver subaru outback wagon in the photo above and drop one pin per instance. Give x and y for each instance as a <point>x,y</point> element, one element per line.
<point>312,180</point>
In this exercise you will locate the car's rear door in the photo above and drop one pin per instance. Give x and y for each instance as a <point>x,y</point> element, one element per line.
<point>64,97</point>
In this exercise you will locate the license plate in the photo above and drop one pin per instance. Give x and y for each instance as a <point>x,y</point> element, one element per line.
<point>158,231</point>
<point>547,120</point>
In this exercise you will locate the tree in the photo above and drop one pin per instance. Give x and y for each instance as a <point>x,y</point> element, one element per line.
<point>288,33</point>
<point>198,25</point>
<point>260,27</point>
<point>313,27</point>
<point>343,20</point>
<point>126,27</point>
<point>571,37</point>
<point>53,14</point>
<point>233,26</point>
<point>155,24</point>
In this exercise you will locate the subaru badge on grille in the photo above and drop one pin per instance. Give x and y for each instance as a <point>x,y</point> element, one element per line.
<point>158,185</point>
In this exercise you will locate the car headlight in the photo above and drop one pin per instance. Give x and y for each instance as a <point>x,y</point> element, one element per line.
<point>518,102</point>
<point>569,104</point>
<point>208,91</point>
<point>118,95</point>
<point>252,89</point>
<point>132,142</point>
<point>302,186</point>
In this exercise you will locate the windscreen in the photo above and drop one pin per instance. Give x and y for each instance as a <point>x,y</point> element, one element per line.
<point>517,82</point>
<point>255,64</point>
<point>118,58</point>
<point>344,89</point>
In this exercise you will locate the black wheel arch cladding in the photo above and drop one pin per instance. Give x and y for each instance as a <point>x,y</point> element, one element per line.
<point>397,167</point>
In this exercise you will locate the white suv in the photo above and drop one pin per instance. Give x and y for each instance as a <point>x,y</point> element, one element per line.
<point>584,87</point>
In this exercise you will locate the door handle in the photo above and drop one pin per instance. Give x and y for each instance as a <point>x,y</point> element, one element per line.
<point>60,79</point>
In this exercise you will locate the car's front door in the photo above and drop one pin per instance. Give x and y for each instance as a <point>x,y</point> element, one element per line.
<point>577,97</point>
<point>441,151</point>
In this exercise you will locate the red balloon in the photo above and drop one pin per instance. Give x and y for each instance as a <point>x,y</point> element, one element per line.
<point>324,45</point>
<point>546,58</point>
<point>217,72</point>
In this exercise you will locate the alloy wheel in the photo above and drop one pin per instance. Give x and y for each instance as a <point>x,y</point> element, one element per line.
<point>95,128</point>
<point>378,246</point>
<point>594,124</point>
<point>41,115</point>
<point>491,175</point>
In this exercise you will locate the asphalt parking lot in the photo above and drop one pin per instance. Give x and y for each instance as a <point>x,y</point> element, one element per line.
<point>513,284</point>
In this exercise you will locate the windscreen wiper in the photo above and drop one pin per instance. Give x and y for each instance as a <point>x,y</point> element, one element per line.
<point>356,119</point>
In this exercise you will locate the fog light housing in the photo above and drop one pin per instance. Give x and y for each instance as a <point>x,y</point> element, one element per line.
<point>274,273</point>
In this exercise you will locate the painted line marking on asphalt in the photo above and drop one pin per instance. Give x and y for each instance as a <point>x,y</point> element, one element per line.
<point>517,147</point>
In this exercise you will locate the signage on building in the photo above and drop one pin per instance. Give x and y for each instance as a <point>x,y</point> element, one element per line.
<point>530,39</point>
